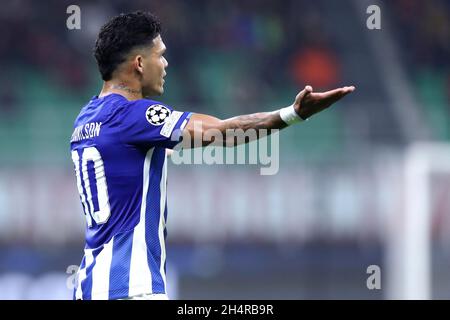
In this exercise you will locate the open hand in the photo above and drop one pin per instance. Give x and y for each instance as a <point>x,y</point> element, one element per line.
<point>308,102</point>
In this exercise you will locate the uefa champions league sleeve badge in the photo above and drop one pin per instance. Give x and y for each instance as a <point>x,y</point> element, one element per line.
<point>157,114</point>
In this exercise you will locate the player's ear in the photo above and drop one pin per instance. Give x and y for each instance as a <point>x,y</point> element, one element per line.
<point>139,64</point>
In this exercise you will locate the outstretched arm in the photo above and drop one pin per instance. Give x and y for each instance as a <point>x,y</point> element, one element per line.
<point>203,129</point>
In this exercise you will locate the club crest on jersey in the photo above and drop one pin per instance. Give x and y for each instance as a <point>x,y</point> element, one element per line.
<point>157,114</point>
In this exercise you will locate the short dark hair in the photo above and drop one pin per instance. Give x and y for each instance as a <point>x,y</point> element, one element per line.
<point>120,35</point>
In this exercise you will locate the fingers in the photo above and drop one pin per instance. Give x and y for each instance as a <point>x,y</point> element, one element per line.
<point>327,97</point>
<point>339,93</point>
<point>348,89</point>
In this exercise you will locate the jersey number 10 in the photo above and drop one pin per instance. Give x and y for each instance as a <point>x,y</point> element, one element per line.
<point>92,155</point>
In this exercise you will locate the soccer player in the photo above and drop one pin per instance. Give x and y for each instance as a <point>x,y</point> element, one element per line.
<point>118,148</point>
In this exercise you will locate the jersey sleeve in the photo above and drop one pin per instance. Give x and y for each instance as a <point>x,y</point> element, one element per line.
<point>149,123</point>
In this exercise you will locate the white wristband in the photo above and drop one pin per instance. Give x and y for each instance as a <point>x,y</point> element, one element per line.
<point>289,116</point>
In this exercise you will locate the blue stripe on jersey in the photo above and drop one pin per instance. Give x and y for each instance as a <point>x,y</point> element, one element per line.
<point>165,232</point>
<point>165,215</point>
<point>152,217</point>
<point>119,276</point>
<point>93,186</point>
<point>82,265</point>
<point>86,284</point>
<point>80,167</point>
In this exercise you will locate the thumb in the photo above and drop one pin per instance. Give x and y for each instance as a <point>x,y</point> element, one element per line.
<point>303,93</point>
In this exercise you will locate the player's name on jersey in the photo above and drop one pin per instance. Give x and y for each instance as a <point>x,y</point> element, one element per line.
<point>86,131</point>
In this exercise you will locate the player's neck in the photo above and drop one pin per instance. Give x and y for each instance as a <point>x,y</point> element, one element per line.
<point>124,88</point>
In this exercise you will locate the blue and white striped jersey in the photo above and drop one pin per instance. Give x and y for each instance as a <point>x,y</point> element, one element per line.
<point>119,153</point>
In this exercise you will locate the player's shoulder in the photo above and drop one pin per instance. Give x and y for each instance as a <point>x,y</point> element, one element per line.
<point>100,107</point>
<point>148,103</point>
<point>148,108</point>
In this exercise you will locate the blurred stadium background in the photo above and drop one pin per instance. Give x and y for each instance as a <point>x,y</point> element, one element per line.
<point>353,189</point>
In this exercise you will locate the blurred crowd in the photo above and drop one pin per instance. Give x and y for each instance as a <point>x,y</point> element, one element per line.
<point>424,29</point>
<point>423,33</point>
<point>244,52</point>
<point>225,58</point>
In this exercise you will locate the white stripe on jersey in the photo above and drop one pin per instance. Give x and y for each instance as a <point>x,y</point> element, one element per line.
<point>100,272</point>
<point>162,222</point>
<point>140,274</point>
<point>89,259</point>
